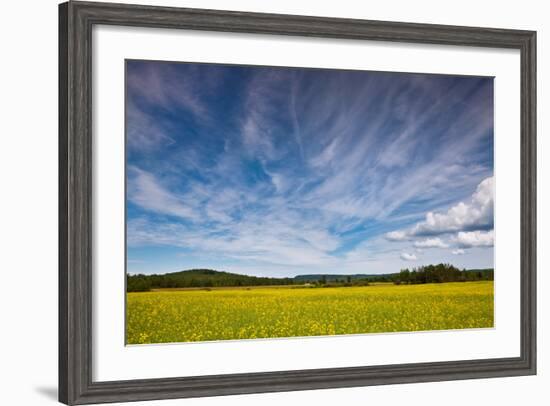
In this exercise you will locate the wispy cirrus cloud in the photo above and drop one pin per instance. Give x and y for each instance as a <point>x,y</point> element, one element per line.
<point>146,192</point>
<point>292,170</point>
<point>164,86</point>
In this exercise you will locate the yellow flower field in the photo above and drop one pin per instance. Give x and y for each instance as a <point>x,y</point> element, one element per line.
<point>245,313</point>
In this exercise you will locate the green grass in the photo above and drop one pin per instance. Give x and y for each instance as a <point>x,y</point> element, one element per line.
<point>228,314</point>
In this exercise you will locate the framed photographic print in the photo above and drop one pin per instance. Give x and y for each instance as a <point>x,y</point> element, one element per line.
<point>256,202</point>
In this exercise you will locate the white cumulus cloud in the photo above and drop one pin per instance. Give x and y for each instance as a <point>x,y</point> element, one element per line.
<point>458,251</point>
<point>475,214</point>
<point>476,239</point>
<point>396,236</point>
<point>408,257</point>
<point>430,243</point>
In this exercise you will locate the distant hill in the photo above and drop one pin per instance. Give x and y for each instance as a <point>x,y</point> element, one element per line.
<point>199,278</point>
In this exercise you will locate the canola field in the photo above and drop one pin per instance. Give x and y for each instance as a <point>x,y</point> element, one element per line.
<point>269,312</point>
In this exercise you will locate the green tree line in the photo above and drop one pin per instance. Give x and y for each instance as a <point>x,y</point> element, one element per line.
<point>206,278</point>
<point>442,273</point>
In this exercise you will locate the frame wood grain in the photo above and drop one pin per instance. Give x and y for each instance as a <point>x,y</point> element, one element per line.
<point>76,20</point>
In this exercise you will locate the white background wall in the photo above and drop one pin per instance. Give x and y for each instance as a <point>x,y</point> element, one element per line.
<point>28,200</point>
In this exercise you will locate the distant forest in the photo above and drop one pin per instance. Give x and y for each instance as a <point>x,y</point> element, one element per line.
<point>207,278</point>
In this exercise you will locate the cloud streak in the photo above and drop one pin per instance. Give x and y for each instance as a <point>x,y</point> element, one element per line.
<point>146,192</point>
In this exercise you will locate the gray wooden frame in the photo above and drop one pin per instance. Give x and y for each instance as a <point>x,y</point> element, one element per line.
<point>76,20</point>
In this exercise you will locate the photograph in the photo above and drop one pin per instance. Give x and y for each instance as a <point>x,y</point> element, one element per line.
<point>276,202</point>
<point>262,203</point>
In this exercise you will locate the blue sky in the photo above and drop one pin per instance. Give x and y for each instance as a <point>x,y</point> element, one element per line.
<point>286,171</point>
